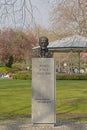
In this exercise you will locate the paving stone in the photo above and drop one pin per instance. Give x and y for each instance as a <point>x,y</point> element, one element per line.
<point>26,125</point>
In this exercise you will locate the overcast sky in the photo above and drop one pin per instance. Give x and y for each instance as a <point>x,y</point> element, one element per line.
<point>21,13</point>
<point>41,11</point>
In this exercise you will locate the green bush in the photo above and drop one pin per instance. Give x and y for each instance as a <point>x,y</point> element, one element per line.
<point>28,75</point>
<point>1,64</point>
<point>20,66</point>
<point>72,77</point>
<point>17,66</point>
<point>22,75</point>
<point>5,70</point>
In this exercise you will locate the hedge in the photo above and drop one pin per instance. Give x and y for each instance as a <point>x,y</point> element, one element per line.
<point>22,75</point>
<point>72,77</point>
<point>28,75</point>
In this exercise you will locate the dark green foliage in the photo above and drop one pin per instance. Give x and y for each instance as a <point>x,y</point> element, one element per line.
<point>10,61</point>
<point>1,64</point>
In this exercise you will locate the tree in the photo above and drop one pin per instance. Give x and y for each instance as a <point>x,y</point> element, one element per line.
<point>70,17</point>
<point>15,45</point>
<point>16,12</point>
<point>40,31</point>
<point>10,61</point>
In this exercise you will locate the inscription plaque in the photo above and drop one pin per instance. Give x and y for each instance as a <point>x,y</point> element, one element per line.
<point>43,90</point>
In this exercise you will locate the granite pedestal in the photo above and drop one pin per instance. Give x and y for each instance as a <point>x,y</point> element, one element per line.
<point>43,91</point>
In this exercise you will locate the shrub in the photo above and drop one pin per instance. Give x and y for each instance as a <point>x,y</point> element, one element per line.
<point>28,75</point>
<point>72,77</point>
<point>22,75</point>
<point>17,66</point>
<point>5,69</point>
<point>1,64</point>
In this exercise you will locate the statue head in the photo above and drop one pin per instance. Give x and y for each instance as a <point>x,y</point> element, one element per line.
<point>43,42</point>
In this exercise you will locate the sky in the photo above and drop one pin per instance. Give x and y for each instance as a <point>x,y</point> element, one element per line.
<point>21,13</point>
<point>41,11</point>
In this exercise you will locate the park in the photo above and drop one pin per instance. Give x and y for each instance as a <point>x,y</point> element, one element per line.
<point>43,65</point>
<point>15,99</point>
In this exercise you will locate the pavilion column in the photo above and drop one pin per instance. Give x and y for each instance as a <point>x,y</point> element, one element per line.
<point>79,60</point>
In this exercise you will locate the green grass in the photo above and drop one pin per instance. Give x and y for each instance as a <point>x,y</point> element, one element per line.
<point>72,94</point>
<point>71,99</point>
<point>15,99</point>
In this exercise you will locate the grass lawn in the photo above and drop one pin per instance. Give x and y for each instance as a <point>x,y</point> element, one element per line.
<point>71,99</point>
<point>15,99</point>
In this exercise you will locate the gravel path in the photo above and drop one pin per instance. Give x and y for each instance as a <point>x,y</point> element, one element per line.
<point>26,125</point>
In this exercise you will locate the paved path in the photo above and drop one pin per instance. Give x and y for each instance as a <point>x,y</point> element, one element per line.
<point>26,125</point>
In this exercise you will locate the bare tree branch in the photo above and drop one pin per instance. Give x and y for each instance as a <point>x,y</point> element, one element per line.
<point>70,16</point>
<point>16,12</point>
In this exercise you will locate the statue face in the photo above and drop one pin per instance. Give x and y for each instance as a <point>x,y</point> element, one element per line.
<point>43,42</point>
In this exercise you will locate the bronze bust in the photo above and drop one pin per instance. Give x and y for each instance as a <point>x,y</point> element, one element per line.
<point>43,51</point>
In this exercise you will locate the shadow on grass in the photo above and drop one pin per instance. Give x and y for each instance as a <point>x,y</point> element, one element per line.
<point>72,116</point>
<point>15,114</point>
<point>11,116</point>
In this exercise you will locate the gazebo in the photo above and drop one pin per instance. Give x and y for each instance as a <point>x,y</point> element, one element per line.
<point>74,43</point>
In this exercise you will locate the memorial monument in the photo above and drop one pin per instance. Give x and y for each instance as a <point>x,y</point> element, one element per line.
<point>43,85</point>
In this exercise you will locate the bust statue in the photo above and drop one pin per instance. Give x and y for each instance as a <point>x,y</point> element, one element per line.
<point>43,51</point>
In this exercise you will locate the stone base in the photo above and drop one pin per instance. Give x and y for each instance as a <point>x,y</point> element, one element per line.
<point>43,91</point>
<point>43,125</point>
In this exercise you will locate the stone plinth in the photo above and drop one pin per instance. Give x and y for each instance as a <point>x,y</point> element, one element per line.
<point>43,90</point>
